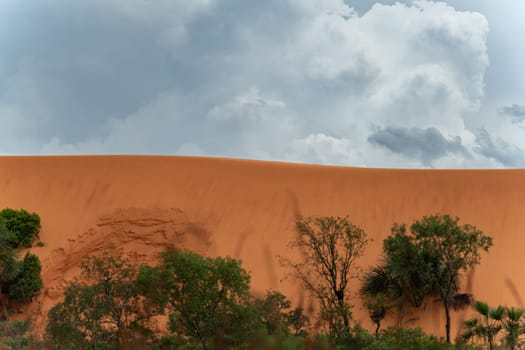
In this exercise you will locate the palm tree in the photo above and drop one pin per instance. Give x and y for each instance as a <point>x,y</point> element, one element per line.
<point>409,273</point>
<point>513,326</point>
<point>486,328</point>
<point>403,277</point>
<point>374,291</point>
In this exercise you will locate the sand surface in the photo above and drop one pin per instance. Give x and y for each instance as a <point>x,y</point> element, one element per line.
<point>246,209</point>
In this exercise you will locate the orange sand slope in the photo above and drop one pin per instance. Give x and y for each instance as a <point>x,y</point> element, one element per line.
<point>246,209</point>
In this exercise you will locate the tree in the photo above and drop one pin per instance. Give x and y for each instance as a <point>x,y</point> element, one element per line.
<point>76,323</point>
<point>377,309</point>
<point>513,326</point>
<point>28,283</point>
<point>16,335</point>
<point>273,315</point>
<point>330,247</point>
<point>277,318</point>
<point>205,298</point>
<point>9,266</point>
<point>486,328</point>
<point>298,322</point>
<point>101,310</point>
<point>401,280</point>
<point>21,225</point>
<point>491,321</point>
<point>449,248</point>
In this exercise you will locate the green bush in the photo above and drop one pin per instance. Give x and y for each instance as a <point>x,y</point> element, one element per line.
<point>205,298</point>
<point>22,226</point>
<point>28,284</point>
<point>102,310</point>
<point>396,338</point>
<point>392,338</point>
<point>14,335</point>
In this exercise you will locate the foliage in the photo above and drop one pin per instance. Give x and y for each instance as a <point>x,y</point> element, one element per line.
<point>21,281</point>
<point>330,247</point>
<point>76,323</point>
<point>274,313</point>
<point>425,261</point>
<point>9,266</point>
<point>491,321</point>
<point>263,340</point>
<point>377,309</point>
<point>397,338</point>
<point>28,283</point>
<point>392,338</point>
<point>206,298</point>
<point>486,328</point>
<point>103,310</point>
<point>14,335</point>
<point>21,225</point>
<point>513,326</point>
<point>298,322</point>
<point>206,302</point>
<point>401,280</point>
<point>452,248</point>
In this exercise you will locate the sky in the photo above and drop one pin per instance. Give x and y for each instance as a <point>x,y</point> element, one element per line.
<point>410,84</point>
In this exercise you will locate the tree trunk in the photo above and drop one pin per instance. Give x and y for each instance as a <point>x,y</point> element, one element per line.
<point>346,322</point>
<point>447,325</point>
<point>204,346</point>
<point>342,309</point>
<point>378,325</point>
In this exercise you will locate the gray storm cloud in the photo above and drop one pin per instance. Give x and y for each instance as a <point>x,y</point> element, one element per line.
<point>426,145</point>
<point>499,150</point>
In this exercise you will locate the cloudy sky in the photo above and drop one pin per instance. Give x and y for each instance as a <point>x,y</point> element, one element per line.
<point>343,82</point>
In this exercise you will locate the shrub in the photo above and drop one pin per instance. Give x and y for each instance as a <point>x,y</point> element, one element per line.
<point>14,335</point>
<point>102,311</point>
<point>22,226</point>
<point>397,338</point>
<point>206,298</point>
<point>28,284</point>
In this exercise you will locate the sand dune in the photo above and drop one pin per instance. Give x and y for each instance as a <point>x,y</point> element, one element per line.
<point>246,209</point>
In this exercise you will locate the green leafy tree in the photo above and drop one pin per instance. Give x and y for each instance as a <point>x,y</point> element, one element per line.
<point>401,280</point>
<point>9,266</point>
<point>277,318</point>
<point>275,324</point>
<point>28,284</point>
<point>330,247</point>
<point>450,248</point>
<point>273,312</point>
<point>205,298</point>
<point>102,310</point>
<point>16,335</point>
<point>21,225</point>
<point>298,322</point>
<point>76,323</point>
